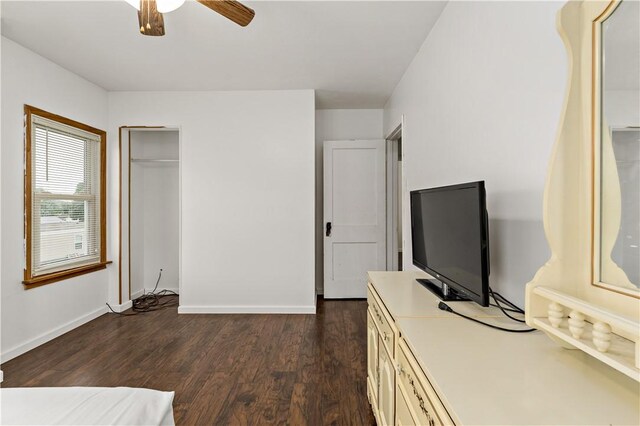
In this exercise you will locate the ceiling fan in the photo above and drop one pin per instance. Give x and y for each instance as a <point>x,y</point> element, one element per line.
<point>152,23</point>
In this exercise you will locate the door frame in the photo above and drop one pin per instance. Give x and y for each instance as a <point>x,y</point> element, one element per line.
<point>124,136</point>
<point>394,198</point>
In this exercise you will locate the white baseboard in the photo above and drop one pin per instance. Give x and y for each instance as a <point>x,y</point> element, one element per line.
<point>173,289</point>
<point>123,307</point>
<point>311,309</point>
<point>50,335</point>
<point>140,292</point>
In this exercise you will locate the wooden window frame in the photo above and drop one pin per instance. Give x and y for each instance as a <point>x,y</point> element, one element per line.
<point>29,280</point>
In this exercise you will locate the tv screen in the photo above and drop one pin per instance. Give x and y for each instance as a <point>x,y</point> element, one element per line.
<point>449,230</point>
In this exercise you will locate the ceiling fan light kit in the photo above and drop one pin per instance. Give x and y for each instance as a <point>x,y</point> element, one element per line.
<point>152,23</point>
<point>164,6</point>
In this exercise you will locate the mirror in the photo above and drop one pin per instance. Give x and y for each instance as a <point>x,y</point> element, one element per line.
<point>617,150</point>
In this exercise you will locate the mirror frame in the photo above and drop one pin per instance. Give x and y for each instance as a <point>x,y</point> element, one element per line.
<point>605,230</point>
<point>561,299</point>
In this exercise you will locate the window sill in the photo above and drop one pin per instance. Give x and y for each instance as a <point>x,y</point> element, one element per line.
<point>63,275</point>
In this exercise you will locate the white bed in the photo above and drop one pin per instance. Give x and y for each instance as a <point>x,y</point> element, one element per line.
<point>85,406</point>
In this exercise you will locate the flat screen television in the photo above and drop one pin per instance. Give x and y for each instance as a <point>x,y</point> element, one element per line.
<point>450,240</point>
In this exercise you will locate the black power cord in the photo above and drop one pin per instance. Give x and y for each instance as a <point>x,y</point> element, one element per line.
<point>504,311</point>
<point>511,307</point>
<point>507,302</point>
<point>444,307</point>
<point>152,301</point>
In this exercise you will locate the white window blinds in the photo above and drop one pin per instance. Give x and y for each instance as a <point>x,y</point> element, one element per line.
<point>65,196</point>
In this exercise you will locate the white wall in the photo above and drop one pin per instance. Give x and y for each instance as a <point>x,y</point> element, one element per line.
<point>154,211</point>
<point>247,194</point>
<point>332,125</point>
<point>37,315</point>
<point>622,108</point>
<point>482,101</point>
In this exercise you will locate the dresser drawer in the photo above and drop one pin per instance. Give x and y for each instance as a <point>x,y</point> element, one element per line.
<point>403,412</point>
<point>421,398</point>
<point>372,354</point>
<point>373,399</point>
<point>382,320</point>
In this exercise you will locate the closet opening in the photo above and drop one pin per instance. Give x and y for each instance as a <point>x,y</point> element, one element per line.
<point>150,231</point>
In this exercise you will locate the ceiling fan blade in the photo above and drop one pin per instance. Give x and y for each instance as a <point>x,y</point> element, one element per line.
<point>231,9</point>
<point>150,20</point>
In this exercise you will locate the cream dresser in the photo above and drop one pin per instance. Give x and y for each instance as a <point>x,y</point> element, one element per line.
<point>430,367</point>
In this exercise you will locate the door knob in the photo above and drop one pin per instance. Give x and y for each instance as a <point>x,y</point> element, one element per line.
<point>328,231</point>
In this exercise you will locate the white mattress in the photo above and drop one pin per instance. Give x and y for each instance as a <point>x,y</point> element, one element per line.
<point>85,406</point>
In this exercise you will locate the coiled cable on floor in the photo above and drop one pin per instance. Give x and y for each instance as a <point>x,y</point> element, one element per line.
<point>151,301</point>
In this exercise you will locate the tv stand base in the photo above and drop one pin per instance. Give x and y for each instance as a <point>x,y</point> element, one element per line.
<point>443,291</point>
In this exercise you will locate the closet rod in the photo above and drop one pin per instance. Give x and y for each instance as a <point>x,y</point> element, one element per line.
<point>153,160</point>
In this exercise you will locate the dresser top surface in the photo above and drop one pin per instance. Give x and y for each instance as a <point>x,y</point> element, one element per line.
<point>487,376</point>
<point>403,296</point>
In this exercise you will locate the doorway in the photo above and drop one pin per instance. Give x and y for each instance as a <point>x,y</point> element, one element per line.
<point>150,226</point>
<point>394,200</point>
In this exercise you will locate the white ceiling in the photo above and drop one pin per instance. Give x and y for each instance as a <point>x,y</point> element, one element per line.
<point>352,53</point>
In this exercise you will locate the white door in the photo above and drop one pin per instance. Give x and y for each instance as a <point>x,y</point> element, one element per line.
<point>354,216</point>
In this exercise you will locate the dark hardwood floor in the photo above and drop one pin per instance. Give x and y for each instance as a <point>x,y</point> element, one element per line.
<point>225,369</point>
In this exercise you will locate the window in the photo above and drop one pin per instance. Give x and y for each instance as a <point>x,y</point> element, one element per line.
<point>65,209</point>
<point>79,238</point>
